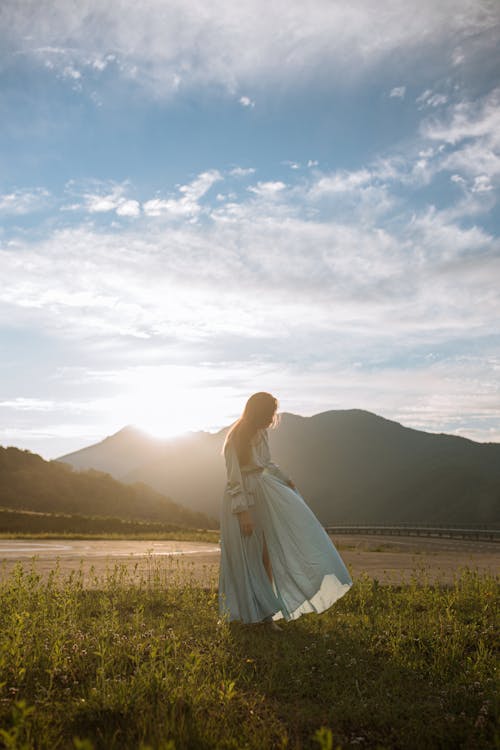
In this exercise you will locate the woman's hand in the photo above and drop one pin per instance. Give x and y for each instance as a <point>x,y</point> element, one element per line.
<point>246,523</point>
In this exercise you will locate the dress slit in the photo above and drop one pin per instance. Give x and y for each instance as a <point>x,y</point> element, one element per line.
<point>266,559</point>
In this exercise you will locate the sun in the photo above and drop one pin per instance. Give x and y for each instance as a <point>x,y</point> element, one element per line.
<point>171,401</point>
<point>159,426</point>
<point>163,417</point>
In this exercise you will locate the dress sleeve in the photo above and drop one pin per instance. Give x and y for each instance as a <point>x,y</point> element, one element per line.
<point>270,466</point>
<point>239,499</point>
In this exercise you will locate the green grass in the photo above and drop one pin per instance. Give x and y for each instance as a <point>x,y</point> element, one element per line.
<point>24,524</point>
<point>129,661</point>
<point>180,535</point>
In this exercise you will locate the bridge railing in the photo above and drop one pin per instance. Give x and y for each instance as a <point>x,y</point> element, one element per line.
<point>423,530</point>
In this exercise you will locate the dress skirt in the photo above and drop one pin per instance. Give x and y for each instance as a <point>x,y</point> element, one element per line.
<point>308,572</point>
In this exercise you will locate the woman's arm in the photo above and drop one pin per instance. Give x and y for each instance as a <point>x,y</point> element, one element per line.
<point>246,522</point>
<point>239,500</point>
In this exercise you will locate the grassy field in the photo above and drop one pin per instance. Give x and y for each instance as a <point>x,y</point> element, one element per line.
<point>180,535</point>
<point>127,661</point>
<point>23,524</point>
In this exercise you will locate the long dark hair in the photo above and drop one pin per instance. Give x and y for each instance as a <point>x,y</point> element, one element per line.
<point>260,412</point>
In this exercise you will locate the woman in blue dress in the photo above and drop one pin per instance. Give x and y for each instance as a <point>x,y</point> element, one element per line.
<point>277,561</point>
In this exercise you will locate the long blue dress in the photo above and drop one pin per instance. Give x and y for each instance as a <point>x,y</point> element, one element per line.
<point>308,572</point>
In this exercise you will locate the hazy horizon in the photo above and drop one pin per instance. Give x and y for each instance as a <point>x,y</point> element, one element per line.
<point>212,430</point>
<point>197,206</point>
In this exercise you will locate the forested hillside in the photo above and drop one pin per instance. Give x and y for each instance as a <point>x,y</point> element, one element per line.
<point>27,482</point>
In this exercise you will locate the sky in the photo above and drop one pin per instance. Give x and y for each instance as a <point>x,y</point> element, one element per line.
<point>203,200</point>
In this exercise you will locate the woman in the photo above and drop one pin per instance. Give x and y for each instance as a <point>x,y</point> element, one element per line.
<point>277,561</point>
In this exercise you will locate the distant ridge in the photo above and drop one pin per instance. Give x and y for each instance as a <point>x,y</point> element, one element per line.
<point>28,483</point>
<point>129,447</point>
<point>350,465</point>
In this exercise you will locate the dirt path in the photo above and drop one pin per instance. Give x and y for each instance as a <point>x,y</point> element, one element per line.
<point>389,559</point>
<point>168,560</point>
<point>394,559</point>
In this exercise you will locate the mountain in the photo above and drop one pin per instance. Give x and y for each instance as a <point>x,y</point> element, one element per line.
<point>27,482</point>
<point>351,466</point>
<point>124,451</point>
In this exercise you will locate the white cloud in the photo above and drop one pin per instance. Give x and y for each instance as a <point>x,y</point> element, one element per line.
<point>27,404</point>
<point>187,205</point>
<point>70,72</point>
<point>129,208</point>
<point>47,405</point>
<point>277,291</point>
<point>167,45</point>
<point>482,184</point>
<point>201,185</point>
<point>102,203</point>
<point>20,202</point>
<point>424,273</point>
<point>101,63</point>
<point>101,198</point>
<point>359,195</point>
<point>480,156</point>
<point>398,92</point>
<point>457,57</point>
<point>463,140</point>
<point>242,172</point>
<point>267,189</point>
<point>337,267</point>
<point>467,119</point>
<point>175,208</point>
<point>469,133</point>
<point>96,203</point>
<point>341,181</point>
<point>245,101</point>
<point>429,99</point>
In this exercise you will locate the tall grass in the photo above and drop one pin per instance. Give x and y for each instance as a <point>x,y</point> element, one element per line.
<point>140,660</point>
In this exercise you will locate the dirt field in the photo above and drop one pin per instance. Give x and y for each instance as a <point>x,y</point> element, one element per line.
<point>389,559</point>
<point>394,559</point>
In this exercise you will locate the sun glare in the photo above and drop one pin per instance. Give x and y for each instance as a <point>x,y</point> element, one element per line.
<point>162,427</point>
<point>171,402</point>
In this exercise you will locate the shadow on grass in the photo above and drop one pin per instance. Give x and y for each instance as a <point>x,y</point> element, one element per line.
<point>396,667</point>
